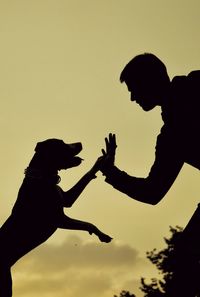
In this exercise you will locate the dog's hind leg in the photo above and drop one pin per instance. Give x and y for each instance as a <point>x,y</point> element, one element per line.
<point>5,281</point>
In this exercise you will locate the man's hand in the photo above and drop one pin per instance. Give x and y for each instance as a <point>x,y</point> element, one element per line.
<point>109,153</point>
<point>107,160</point>
<point>97,166</point>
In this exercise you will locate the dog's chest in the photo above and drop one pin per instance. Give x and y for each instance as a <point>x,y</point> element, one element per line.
<point>39,199</point>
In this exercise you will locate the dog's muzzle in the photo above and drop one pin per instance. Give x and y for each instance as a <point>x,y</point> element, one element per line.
<point>75,148</point>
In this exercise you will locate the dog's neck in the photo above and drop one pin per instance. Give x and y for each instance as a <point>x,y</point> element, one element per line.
<point>39,170</point>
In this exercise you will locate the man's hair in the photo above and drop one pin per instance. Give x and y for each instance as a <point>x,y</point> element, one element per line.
<point>144,66</point>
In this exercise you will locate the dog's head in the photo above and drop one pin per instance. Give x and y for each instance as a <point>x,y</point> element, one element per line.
<point>59,154</point>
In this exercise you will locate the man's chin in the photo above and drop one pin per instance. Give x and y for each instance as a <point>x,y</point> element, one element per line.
<point>147,108</point>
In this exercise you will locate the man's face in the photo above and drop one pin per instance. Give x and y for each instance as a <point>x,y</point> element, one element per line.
<point>145,94</point>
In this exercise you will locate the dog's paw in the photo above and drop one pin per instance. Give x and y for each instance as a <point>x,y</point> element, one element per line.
<point>105,238</point>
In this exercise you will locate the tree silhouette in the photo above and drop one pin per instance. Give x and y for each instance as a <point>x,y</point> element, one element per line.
<point>165,261</point>
<point>125,294</point>
<point>178,266</point>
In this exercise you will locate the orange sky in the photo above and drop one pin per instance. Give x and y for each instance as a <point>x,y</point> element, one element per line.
<point>60,64</point>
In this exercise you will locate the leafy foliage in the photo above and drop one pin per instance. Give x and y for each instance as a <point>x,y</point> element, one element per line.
<point>125,294</point>
<point>164,260</point>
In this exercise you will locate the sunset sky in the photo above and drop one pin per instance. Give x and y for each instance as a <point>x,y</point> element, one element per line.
<point>60,62</point>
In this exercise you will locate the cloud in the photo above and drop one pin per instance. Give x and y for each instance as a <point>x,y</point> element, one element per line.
<point>75,268</point>
<point>71,284</point>
<point>73,252</point>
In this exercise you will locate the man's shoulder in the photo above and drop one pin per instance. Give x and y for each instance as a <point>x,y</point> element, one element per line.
<point>192,76</point>
<point>194,79</point>
<point>195,74</point>
<point>187,84</point>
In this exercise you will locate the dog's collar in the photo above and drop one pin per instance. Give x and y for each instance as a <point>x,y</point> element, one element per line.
<point>36,174</point>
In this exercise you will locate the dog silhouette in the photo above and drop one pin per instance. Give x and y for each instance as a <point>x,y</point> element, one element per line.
<point>39,208</point>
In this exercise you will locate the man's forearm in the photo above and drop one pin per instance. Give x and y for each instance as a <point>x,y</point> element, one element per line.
<point>140,189</point>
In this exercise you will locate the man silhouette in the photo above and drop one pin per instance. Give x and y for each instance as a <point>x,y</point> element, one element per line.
<point>178,142</point>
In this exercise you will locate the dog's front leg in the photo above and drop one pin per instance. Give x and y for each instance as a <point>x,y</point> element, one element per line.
<point>70,196</point>
<point>73,224</point>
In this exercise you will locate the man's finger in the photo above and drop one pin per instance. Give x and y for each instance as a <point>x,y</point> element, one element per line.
<point>103,152</point>
<point>112,141</point>
<point>107,144</point>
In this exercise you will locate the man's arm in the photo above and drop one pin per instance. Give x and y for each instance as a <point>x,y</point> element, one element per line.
<point>168,163</point>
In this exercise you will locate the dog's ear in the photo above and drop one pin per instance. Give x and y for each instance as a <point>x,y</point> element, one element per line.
<point>39,146</point>
<point>45,146</point>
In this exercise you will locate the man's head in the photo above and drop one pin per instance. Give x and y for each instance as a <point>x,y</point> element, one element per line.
<point>147,80</point>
